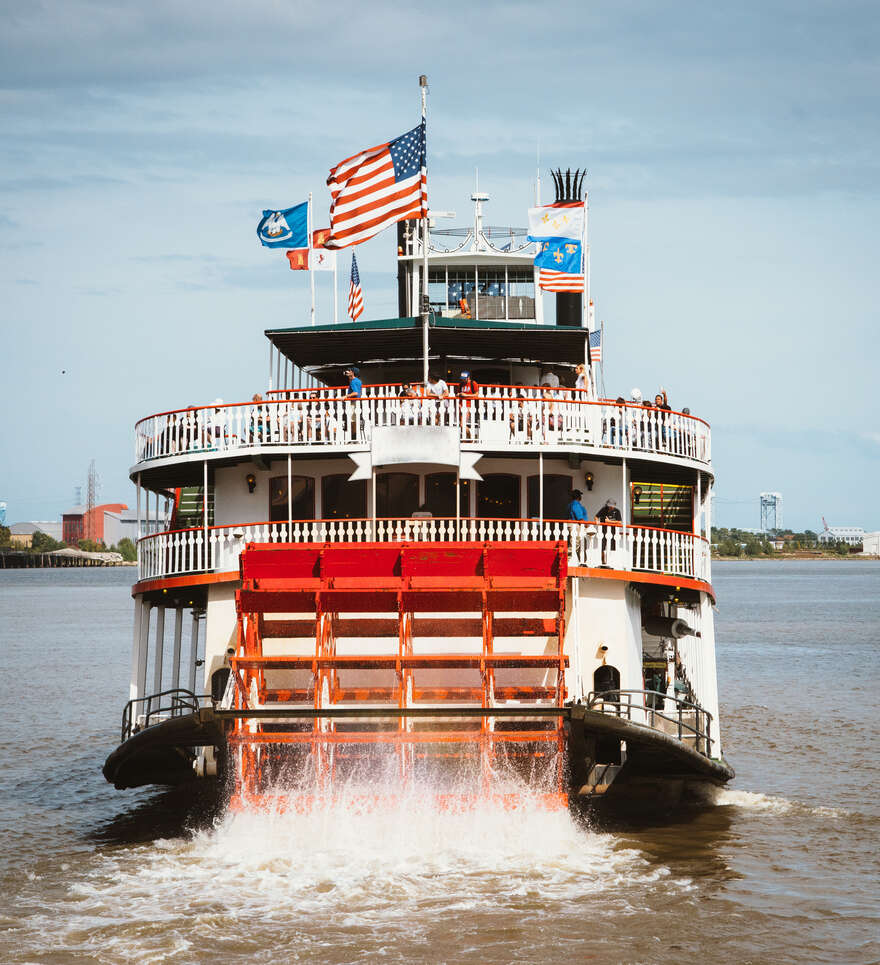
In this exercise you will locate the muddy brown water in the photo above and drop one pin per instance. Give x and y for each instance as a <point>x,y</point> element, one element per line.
<point>781,867</point>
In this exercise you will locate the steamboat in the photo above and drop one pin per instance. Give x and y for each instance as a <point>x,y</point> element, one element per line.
<point>358,575</point>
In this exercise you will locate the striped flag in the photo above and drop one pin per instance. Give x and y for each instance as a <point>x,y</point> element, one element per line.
<point>596,346</point>
<point>560,265</point>
<point>355,295</point>
<point>560,281</point>
<point>378,187</point>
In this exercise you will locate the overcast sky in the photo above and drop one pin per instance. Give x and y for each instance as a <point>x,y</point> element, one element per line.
<point>733,157</point>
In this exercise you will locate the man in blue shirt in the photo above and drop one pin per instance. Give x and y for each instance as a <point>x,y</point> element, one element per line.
<point>355,386</point>
<point>576,510</point>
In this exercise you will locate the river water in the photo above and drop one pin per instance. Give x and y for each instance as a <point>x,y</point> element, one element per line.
<point>782,867</point>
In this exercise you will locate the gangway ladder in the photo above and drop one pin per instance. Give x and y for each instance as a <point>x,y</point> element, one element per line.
<point>404,655</point>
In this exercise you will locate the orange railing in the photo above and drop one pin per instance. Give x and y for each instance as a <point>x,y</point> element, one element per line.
<point>217,548</point>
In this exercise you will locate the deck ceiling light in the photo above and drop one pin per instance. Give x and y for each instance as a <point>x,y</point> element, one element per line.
<point>588,481</point>
<point>637,494</point>
<point>251,481</point>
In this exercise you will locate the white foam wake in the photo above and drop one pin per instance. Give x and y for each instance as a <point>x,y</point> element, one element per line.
<point>756,801</point>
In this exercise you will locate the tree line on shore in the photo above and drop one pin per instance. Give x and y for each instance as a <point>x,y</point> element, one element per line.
<point>43,543</point>
<point>743,543</point>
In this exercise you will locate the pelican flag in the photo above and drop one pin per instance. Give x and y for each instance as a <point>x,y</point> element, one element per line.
<point>557,221</point>
<point>285,229</point>
<point>560,265</point>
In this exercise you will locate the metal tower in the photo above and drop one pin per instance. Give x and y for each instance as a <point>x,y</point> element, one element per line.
<point>771,511</point>
<point>91,502</point>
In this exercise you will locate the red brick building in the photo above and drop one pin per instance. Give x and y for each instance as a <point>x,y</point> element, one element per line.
<point>79,523</point>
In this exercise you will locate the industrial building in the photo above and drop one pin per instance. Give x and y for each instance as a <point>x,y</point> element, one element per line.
<point>22,534</point>
<point>851,535</point>
<point>82,523</point>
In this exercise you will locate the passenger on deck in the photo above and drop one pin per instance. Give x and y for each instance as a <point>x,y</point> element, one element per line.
<point>352,417</point>
<point>257,425</point>
<point>355,386</point>
<point>576,509</point>
<point>470,410</point>
<point>407,409</point>
<point>438,391</point>
<point>550,419</point>
<point>551,379</point>
<point>521,420</point>
<point>609,513</point>
<point>618,419</point>
<point>218,426</point>
<point>661,403</point>
<point>581,381</point>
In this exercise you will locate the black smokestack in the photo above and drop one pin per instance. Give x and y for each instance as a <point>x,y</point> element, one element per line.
<point>569,187</point>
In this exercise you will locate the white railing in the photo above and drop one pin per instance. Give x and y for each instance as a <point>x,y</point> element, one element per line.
<point>217,548</point>
<point>499,417</point>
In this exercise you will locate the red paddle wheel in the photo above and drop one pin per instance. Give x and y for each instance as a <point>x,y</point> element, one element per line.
<point>383,666</point>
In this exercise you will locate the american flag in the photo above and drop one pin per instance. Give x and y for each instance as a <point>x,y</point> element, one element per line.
<point>560,281</point>
<point>596,346</point>
<point>377,187</point>
<point>355,295</point>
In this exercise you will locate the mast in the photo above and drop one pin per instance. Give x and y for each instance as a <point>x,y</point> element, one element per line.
<point>309,229</point>
<point>426,305</point>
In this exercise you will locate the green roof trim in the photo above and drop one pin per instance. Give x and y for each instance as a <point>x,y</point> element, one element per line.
<point>384,324</point>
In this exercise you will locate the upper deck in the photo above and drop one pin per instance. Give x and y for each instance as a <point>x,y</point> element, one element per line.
<point>499,419</point>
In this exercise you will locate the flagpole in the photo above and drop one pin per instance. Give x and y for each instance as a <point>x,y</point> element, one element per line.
<point>602,356</point>
<point>586,296</point>
<point>335,291</point>
<point>309,255</point>
<point>426,305</point>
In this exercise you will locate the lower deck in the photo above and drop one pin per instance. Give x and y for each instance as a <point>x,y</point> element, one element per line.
<point>327,659</point>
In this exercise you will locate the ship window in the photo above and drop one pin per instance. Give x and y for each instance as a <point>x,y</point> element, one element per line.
<point>341,499</point>
<point>662,505</point>
<point>498,496</point>
<point>397,494</point>
<point>440,494</point>
<point>520,293</point>
<point>302,503</point>
<point>557,496</point>
<point>461,285</point>
<point>492,288</point>
<point>437,290</point>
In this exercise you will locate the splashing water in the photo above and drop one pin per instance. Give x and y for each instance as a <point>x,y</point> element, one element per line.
<point>344,882</point>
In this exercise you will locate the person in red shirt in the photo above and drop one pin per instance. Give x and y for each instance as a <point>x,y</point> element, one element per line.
<point>468,390</point>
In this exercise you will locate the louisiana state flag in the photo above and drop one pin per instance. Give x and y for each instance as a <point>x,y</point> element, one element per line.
<point>286,228</point>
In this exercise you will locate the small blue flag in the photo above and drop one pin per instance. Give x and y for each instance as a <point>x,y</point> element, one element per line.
<point>559,254</point>
<point>285,229</point>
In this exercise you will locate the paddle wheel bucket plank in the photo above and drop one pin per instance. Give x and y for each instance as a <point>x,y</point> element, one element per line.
<point>465,625</point>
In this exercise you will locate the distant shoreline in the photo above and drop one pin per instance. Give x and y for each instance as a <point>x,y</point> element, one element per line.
<point>782,557</point>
